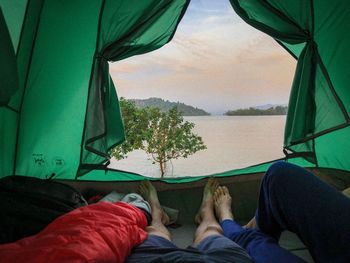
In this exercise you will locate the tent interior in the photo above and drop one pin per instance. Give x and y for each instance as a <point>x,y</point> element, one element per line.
<point>60,114</point>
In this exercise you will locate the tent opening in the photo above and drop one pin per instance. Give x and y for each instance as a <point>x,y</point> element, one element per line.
<point>216,64</point>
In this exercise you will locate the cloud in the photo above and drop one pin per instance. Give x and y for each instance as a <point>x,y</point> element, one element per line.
<point>218,63</point>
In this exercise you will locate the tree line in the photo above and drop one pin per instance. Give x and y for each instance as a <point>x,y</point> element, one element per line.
<point>278,110</point>
<point>165,105</point>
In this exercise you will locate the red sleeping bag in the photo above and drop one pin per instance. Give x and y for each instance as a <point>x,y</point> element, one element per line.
<point>102,232</point>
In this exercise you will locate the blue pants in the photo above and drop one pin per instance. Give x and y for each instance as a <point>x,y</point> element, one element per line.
<point>293,199</point>
<point>212,249</point>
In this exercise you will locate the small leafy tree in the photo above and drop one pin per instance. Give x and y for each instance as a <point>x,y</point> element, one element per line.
<point>170,137</point>
<point>135,122</point>
<point>162,135</point>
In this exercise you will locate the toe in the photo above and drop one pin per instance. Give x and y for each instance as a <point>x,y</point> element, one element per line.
<point>147,184</point>
<point>141,188</point>
<point>220,190</point>
<point>215,196</point>
<point>227,192</point>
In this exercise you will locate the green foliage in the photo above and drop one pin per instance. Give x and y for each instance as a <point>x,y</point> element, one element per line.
<point>162,135</point>
<point>169,137</point>
<point>135,121</point>
<point>165,106</point>
<point>278,110</point>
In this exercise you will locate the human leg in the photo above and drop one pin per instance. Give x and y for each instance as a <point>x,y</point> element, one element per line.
<point>209,235</point>
<point>261,247</point>
<point>205,218</point>
<point>159,218</point>
<point>209,246</point>
<point>291,198</point>
<point>158,241</point>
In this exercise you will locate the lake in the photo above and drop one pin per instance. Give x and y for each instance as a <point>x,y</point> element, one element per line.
<point>232,142</point>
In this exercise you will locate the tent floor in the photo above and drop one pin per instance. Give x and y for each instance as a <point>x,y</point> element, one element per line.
<point>182,237</point>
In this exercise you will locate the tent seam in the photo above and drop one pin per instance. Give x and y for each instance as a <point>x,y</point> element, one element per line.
<point>331,87</point>
<point>281,15</point>
<point>285,48</point>
<point>338,127</point>
<point>312,10</point>
<point>267,29</point>
<point>12,109</point>
<point>22,27</point>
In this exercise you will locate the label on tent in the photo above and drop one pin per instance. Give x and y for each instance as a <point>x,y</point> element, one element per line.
<point>39,159</point>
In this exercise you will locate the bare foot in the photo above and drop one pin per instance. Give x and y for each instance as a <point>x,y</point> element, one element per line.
<point>222,204</point>
<point>251,224</point>
<point>207,200</point>
<point>148,192</point>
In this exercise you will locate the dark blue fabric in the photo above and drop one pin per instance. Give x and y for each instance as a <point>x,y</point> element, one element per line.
<point>291,198</point>
<point>213,249</point>
<point>260,246</point>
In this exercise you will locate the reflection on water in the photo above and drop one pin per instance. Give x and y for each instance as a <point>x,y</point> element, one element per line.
<point>232,142</point>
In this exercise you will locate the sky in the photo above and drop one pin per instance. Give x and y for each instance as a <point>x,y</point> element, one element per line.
<point>215,62</point>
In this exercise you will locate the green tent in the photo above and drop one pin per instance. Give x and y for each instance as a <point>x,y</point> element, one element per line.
<point>59,108</point>
<point>59,111</point>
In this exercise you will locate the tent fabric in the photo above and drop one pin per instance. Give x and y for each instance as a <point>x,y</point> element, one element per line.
<point>315,33</point>
<point>8,66</point>
<point>116,175</point>
<point>67,114</point>
<point>14,12</point>
<point>133,28</point>
<point>102,232</point>
<point>64,117</point>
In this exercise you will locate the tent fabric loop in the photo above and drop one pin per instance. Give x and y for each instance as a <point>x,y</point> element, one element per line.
<point>290,155</point>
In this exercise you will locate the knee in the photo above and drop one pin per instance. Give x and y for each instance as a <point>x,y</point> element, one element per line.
<point>158,231</point>
<point>215,229</point>
<point>279,172</point>
<point>209,230</point>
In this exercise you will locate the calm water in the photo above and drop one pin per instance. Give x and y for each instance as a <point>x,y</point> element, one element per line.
<point>232,142</point>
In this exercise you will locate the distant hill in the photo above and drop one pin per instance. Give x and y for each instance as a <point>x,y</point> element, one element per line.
<point>277,110</point>
<point>165,105</point>
<point>268,106</point>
